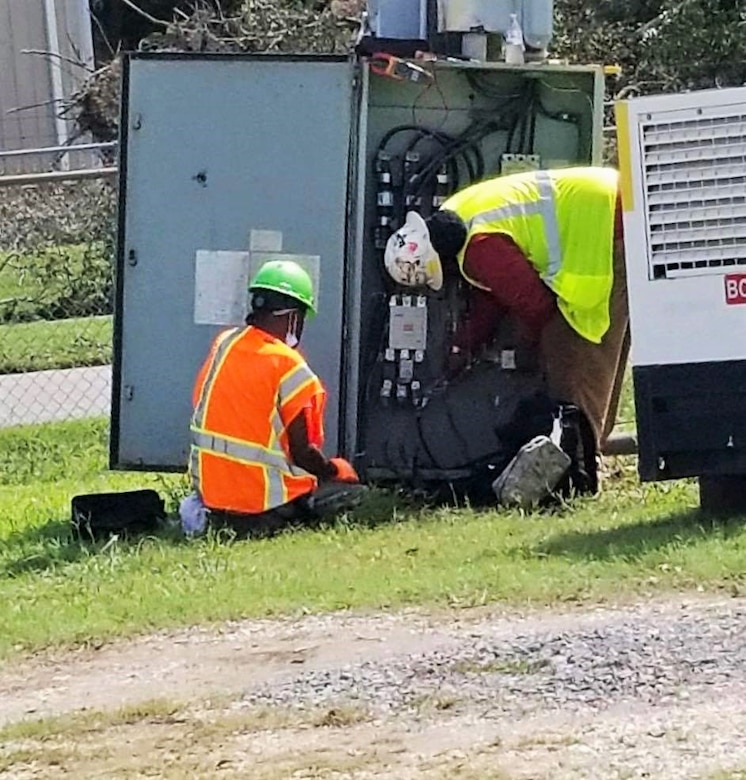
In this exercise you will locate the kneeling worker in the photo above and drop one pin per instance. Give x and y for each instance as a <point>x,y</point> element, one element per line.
<point>257,427</point>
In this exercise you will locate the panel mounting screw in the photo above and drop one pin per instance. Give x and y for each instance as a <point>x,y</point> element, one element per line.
<point>132,258</point>
<point>129,392</point>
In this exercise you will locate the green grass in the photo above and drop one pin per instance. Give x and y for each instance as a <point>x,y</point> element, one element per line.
<point>46,299</point>
<point>36,346</point>
<point>629,540</point>
<point>626,412</point>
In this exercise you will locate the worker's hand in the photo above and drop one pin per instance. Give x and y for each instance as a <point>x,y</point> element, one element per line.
<point>345,471</point>
<point>456,363</point>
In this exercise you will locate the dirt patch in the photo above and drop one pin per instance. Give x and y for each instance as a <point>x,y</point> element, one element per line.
<point>397,696</point>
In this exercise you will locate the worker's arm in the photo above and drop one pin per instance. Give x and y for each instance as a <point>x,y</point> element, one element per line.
<point>480,323</point>
<point>475,330</point>
<point>310,458</point>
<point>305,455</point>
<point>513,286</point>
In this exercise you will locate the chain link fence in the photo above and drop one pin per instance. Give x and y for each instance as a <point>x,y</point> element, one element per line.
<point>57,246</point>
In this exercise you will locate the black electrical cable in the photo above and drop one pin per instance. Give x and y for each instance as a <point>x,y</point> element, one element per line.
<point>423,441</point>
<point>445,140</point>
<point>425,132</point>
<point>480,85</point>
<point>522,135</point>
<point>401,195</point>
<point>511,133</point>
<point>394,131</point>
<point>532,132</point>
<point>467,464</point>
<point>430,171</point>
<point>457,149</point>
<point>463,149</point>
<point>530,120</point>
<point>462,441</point>
<point>373,347</point>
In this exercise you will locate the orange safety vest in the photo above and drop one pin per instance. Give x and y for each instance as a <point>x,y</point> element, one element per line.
<point>250,388</point>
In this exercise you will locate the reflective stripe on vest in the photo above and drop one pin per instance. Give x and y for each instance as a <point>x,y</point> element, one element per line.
<point>274,464</point>
<point>227,339</point>
<point>293,382</point>
<point>548,211</point>
<point>545,207</point>
<point>239,450</point>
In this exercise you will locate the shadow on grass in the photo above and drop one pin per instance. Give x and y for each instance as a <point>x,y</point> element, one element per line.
<point>40,548</point>
<point>638,539</point>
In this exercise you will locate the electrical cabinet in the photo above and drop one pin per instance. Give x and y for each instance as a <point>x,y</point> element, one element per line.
<point>683,165</point>
<point>227,161</point>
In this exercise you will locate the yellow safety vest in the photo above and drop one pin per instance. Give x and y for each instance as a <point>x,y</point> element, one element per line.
<point>563,221</point>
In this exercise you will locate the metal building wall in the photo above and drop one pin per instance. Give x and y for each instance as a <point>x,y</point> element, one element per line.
<point>31,83</point>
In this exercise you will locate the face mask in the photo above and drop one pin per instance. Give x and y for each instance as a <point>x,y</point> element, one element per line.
<point>291,339</point>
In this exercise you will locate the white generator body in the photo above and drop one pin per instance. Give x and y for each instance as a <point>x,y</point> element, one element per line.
<point>683,171</point>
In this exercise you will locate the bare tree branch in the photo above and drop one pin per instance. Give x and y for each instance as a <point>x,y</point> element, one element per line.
<point>144,14</point>
<point>61,57</point>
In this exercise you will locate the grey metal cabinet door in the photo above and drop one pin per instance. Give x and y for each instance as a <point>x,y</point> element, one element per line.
<point>226,161</point>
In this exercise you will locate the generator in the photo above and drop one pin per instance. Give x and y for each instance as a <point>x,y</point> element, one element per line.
<point>683,172</point>
<point>228,161</point>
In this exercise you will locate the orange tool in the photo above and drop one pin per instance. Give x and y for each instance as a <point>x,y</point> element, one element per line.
<point>383,64</point>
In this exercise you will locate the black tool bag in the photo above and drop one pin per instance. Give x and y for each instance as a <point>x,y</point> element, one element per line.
<point>100,515</point>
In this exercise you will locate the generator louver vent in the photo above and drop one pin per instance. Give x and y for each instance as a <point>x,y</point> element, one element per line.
<point>695,184</point>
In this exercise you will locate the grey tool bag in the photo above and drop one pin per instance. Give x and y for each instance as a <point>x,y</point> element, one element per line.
<point>532,475</point>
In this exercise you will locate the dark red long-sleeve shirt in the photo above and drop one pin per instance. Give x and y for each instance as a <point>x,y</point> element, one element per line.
<point>514,287</point>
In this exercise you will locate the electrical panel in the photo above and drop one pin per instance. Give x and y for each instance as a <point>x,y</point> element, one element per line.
<point>683,165</point>
<point>418,145</point>
<point>201,205</point>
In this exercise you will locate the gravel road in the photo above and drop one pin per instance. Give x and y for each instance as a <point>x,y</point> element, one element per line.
<point>654,655</point>
<point>652,690</point>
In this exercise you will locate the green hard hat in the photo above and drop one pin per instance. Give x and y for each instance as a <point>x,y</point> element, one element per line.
<point>288,278</point>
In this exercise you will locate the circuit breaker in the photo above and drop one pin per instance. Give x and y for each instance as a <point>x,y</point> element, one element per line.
<point>683,166</point>
<point>319,158</point>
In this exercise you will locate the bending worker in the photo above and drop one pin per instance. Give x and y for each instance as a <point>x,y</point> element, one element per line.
<point>257,428</point>
<point>545,247</point>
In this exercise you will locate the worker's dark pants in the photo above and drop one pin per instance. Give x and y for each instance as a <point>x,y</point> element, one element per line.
<point>328,500</point>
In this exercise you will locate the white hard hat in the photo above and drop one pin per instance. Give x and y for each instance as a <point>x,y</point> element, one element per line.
<point>410,258</point>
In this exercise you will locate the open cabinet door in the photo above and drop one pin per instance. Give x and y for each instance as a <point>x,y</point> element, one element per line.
<point>226,161</point>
